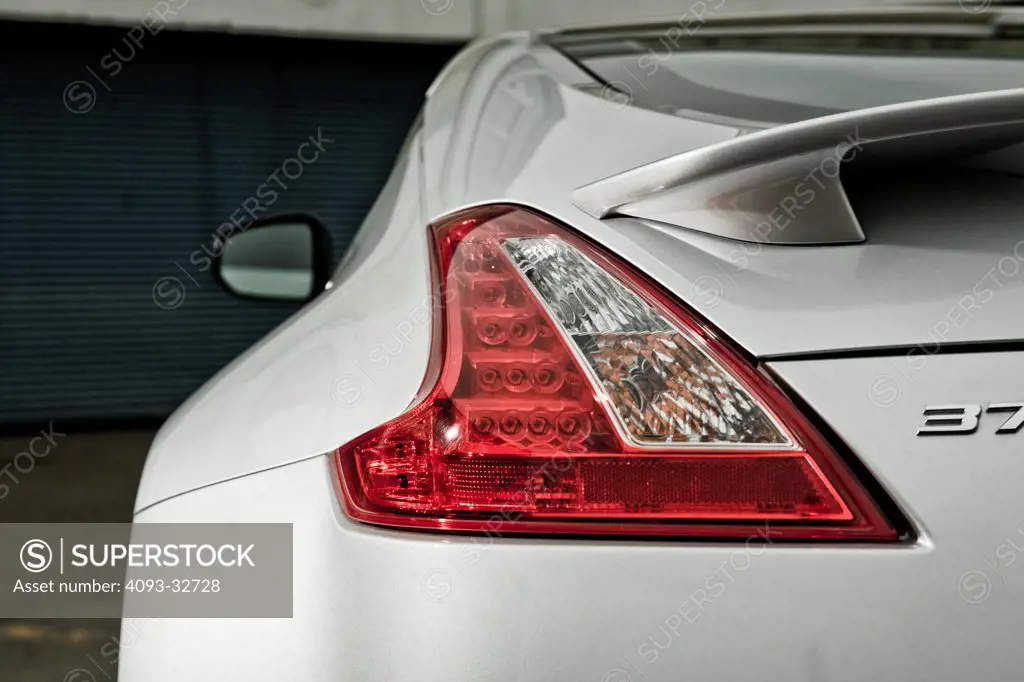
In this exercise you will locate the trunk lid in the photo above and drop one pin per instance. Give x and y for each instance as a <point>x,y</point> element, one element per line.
<point>942,264</point>
<point>959,489</point>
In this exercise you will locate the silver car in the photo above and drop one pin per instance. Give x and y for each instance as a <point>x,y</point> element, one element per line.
<point>669,351</point>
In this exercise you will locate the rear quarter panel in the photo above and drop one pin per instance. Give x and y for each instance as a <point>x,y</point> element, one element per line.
<point>348,361</point>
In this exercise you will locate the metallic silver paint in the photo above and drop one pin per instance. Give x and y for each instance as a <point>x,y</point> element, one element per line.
<point>723,188</point>
<point>382,606</point>
<point>951,19</point>
<point>499,128</point>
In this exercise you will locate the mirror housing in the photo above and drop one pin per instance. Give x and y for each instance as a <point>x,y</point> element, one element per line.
<point>281,258</point>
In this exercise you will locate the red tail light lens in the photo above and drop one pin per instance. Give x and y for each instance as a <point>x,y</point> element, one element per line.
<point>573,396</point>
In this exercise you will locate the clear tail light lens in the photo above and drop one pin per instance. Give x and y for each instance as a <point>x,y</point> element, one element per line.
<point>570,395</point>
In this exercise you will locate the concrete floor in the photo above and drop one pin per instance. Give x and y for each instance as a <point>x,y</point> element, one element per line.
<point>86,477</point>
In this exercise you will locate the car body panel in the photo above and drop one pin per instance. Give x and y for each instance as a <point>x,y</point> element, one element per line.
<point>379,605</point>
<point>347,362</point>
<point>499,127</point>
<point>953,487</point>
<point>373,604</point>
<point>355,357</point>
<point>534,140</point>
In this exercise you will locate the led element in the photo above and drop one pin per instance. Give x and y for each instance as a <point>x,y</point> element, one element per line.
<point>573,396</point>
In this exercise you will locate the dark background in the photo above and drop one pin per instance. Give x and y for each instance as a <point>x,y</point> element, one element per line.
<point>97,207</point>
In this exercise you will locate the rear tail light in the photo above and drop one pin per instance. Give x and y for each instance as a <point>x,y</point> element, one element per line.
<point>569,395</point>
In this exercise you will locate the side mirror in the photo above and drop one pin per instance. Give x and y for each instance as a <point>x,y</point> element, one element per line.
<point>285,258</point>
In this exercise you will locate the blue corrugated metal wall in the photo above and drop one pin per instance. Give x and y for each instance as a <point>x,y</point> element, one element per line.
<point>96,207</point>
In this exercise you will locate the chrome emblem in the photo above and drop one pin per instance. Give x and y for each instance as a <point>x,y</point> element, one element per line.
<point>952,420</point>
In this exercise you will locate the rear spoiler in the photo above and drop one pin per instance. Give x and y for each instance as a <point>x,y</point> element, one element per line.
<point>781,185</point>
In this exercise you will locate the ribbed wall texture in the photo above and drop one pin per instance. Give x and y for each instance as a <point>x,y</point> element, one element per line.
<point>96,207</point>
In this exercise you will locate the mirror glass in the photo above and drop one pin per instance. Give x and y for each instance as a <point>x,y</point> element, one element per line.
<point>271,261</point>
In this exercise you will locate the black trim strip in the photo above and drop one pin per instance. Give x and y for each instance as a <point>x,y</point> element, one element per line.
<point>928,348</point>
<point>578,63</point>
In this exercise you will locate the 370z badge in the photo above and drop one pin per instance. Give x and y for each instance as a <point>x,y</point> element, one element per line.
<point>953,420</point>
